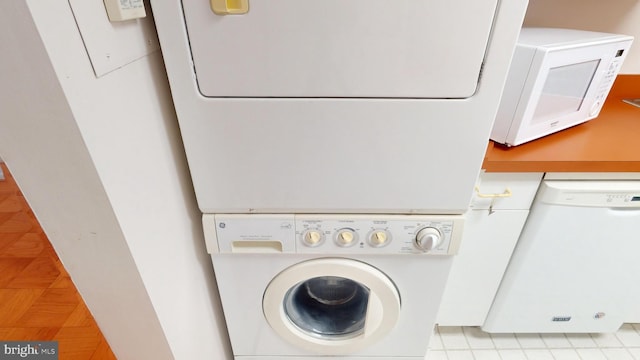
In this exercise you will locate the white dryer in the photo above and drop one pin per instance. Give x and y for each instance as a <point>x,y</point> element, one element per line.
<point>345,286</point>
<point>331,106</point>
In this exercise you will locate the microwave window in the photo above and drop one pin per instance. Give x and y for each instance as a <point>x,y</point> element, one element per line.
<point>564,90</point>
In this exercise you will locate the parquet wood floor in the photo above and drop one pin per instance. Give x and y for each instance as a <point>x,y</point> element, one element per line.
<point>38,301</point>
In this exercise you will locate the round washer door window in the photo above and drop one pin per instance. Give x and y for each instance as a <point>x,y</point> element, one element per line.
<point>331,306</point>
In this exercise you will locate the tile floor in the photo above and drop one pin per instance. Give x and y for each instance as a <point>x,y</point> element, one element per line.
<point>471,343</point>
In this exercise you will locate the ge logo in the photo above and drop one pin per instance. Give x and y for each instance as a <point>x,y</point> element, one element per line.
<point>222,225</point>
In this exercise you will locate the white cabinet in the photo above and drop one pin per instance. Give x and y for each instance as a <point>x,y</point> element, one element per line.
<point>492,228</point>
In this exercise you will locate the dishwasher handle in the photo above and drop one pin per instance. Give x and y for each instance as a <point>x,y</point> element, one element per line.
<point>624,211</point>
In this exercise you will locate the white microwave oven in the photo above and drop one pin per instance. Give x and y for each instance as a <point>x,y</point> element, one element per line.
<point>558,78</point>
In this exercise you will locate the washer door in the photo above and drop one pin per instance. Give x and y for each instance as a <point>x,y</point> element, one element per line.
<point>331,306</point>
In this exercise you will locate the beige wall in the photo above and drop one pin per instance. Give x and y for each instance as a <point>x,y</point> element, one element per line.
<point>615,16</point>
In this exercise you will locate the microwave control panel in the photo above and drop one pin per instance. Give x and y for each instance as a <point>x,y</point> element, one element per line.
<point>607,81</point>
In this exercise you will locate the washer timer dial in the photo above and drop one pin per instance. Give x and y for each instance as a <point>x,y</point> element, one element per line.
<point>428,238</point>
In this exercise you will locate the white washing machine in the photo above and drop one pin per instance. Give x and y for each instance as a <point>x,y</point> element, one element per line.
<point>345,286</point>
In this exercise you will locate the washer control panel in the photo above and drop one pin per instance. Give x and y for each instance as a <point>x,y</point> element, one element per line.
<point>333,234</point>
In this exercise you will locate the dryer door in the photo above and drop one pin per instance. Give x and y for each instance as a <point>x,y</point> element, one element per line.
<point>331,306</point>
<point>337,48</point>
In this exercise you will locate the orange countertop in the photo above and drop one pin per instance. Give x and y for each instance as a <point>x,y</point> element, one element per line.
<point>608,143</point>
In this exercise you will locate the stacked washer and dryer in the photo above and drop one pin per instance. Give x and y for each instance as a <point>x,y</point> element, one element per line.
<point>334,147</point>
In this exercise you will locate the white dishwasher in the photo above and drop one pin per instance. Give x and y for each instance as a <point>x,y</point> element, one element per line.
<point>576,267</point>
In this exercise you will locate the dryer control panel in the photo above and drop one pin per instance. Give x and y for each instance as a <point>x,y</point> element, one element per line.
<point>333,234</point>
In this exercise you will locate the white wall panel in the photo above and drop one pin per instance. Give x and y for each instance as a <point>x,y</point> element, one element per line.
<point>111,185</point>
<point>44,149</point>
<point>111,45</point>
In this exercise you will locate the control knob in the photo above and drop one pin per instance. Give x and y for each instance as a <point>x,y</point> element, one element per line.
<point>346,237</point>
<point>428,239</point>
<point>312,238</point>
<point>379,238</point>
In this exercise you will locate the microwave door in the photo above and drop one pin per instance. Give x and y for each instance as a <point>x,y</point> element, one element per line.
<point>564,91</point>
<point>565,95</point>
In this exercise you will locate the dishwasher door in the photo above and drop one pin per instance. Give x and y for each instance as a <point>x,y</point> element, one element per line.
<point>576,266</point>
